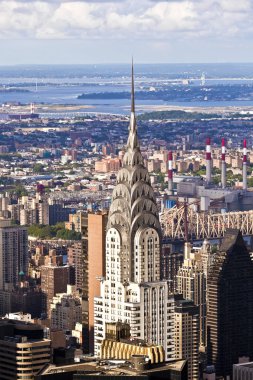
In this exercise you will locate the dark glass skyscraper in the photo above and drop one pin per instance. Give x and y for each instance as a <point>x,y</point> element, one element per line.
<point>230,304</point>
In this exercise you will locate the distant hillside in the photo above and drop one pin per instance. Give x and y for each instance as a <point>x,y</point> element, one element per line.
<point>12,89</point>
<point>176,115</point>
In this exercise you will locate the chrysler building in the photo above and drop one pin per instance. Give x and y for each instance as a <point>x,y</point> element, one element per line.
<point>132,291</point>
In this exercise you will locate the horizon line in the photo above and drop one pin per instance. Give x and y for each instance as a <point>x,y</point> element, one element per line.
<point>127,63</point>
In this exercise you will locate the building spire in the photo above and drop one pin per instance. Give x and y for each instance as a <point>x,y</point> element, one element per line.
<point>132,91</point>
<point>132,138</point>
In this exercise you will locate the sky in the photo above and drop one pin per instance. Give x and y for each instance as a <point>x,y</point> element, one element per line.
<point>103,31</point>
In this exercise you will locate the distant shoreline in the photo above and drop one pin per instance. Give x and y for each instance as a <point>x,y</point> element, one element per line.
<point>144,112</point>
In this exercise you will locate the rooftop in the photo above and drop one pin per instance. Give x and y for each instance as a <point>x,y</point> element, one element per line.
<point>113,367</point>
<point>248,365</point>
<point>231,237</point>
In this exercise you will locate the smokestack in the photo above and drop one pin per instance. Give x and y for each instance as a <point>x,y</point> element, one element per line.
<point>223,163</point>
<point>208,161</point>
<point>244,165</point>
<point>170,173</point>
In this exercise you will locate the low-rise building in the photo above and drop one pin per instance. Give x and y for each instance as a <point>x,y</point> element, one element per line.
<point>66,310</point>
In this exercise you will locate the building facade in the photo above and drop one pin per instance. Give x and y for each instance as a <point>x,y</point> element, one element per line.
<point>66,310</point>
<point>230,304</point>
<point>13,254</point>
<point>131,291</point>
<point>20,356</point>
<point>96,264</point>
<point>23,350</point>
<point>171,260</point>
<point>54,280</point>
<point>88,258</point>
<point>243,371</point>
<point>191,283</point>
<point>187,335</point>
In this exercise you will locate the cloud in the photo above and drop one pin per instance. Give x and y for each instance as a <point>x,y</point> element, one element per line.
<point>152,19</point>
<point>73,1</point>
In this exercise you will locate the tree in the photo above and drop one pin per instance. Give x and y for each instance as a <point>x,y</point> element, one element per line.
<point>68,235</point>
<point>216,170</point>
<point>38,168</point>
<point>250,182</point>
<point>160,177</point>
<point>214,248</point>
<point>49,232</point>
<point>216,180</point>
<point>19,190</point>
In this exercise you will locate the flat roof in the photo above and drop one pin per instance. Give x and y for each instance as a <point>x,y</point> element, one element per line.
<point>249,365</point>
<point>107,367</point>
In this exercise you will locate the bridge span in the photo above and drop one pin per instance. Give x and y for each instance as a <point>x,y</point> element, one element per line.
<point>185,223</point>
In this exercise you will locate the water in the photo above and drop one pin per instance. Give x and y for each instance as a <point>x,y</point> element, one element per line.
<point>60,84</point>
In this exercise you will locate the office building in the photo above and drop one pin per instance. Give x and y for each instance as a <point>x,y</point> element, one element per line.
<point>187,335</point>
<point>23,350</point>
<point>58,213</point>
<point>25,299</point>
<point>53,280</point>
<point>96,264</point>
<point>13,254</point>
<point>191,283</point>
<point>230,304</point>
<point>171,260</point>
<point>243,371</point>
<point>78,258</point>
<point>131,291</point>
<point>88,258</point>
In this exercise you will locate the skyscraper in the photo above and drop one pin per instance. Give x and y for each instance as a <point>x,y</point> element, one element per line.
<point>187,335</point>
<point>171,260</point>
<point>13,254</point>
<point>132,291</point>
<point>191,283</point>
<point>96,264</point>
<point>88,258</point>
<point>230,304</point>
